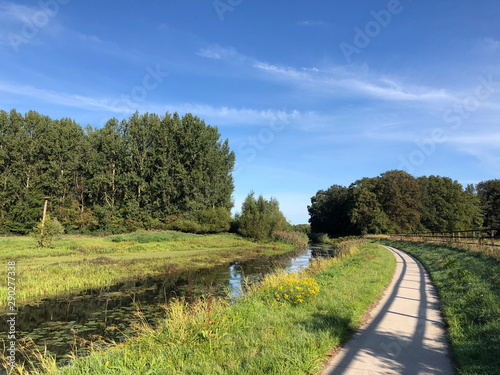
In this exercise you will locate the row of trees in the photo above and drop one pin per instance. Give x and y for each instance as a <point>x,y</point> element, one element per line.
<point>146,171</point>
<point>397,202</point>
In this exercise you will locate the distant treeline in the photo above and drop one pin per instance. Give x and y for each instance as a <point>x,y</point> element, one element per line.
<point>397,202</point>
<point>148,171</point>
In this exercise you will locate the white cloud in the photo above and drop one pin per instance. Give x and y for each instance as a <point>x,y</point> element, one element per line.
<point>72,100</point>
<point>12,12</point>
<point>312,23</point>
<point>220,53</point>
<point>487,140</point>
<point>116,106</point>
<point>282,71</point>
<point>487,46</point>
<point>338,81</point>
<point>12,18</point>
<point>90,38</point>
<point>20,24</point>
<point>386,89</point>
<point>234,116</point>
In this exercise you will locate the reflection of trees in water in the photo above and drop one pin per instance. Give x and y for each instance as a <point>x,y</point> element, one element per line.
<point>110,311</point>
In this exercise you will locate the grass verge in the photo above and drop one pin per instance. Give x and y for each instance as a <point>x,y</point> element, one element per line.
<point>468,284</point>
<point>77,263</point>
<point>258,334</point>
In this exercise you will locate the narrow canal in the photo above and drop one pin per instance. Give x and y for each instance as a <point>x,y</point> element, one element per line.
<point>61,325</point>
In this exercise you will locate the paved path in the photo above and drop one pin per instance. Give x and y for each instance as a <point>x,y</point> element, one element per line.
<point>405,334</point>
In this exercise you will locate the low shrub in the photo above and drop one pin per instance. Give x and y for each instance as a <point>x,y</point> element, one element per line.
<point>208,220</point>
<point>214,220</point>
<point>300,240</point>
<point>48,231</point>
<point>303,228</point>
<point>318,237</point>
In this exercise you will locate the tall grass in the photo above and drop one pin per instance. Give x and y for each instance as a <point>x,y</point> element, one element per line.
<point>468,283</point>
<point>323,238</point>
<point>78,263</point>
<point>296,239</point>
<point>256,335</point>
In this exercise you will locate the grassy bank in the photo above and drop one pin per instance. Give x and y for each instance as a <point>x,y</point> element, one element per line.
<point>259,334</point>
<point>468,284</point>
<point>80,262</point>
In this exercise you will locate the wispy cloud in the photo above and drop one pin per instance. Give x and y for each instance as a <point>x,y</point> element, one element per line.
<point>90,38</point>
<point>12,12</point>
<point>311,23</point>
<point>482,140</point>
<point>337,80</point>
<point>488,46</point>
<point>114,107</point>
<point>220,53</point>
<point>12,17</point>
<point>484,147</point>
<point>22,24</point>
<point>71,100</point>
<point>341,82</point>
<point>281,71</point>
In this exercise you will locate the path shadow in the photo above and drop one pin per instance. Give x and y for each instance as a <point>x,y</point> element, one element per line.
<point>401,355</point>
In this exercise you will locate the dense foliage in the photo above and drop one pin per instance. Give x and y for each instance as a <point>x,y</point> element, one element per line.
<point>489,196</point>
<point>260,218</point>
<point>395,201</point>
<point>148,171</point>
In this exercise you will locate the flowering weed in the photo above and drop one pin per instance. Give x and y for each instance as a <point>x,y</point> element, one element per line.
<point>296,290</point>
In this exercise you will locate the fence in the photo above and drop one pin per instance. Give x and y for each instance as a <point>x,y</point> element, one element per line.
<point>482,237</point>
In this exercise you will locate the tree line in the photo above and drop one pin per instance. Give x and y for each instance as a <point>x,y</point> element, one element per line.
<point>397,202</point>
<point>147,171</point>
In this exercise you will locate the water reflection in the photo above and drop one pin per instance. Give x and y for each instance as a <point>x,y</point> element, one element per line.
<point>109,313</point>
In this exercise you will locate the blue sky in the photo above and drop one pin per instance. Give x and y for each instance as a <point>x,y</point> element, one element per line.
<point>309,93</point>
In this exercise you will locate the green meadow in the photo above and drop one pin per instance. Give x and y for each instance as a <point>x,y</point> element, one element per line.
<point>261,333</point>
<point>76,263</point>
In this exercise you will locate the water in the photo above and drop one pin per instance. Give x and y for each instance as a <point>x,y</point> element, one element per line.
<point>63,324</point>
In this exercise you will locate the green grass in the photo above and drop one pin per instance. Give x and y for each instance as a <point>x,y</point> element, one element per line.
<point>468,284</point>
<point>80,262</point>
<point>256,335</point>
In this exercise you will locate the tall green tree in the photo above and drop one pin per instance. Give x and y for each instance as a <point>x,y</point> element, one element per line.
<point>330,211</point>
<point>367,212</point>
<point>260,218</point>
<point>488,193</point>
<point>446,206</point>
<point>132,174</point>
<point>399,195</point>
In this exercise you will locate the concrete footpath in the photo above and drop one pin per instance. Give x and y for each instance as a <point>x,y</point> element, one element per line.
<point>405,333</point>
